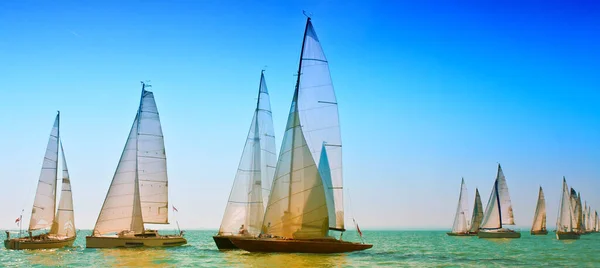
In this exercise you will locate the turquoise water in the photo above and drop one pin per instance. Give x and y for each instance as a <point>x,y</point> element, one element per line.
<point>391,248</point>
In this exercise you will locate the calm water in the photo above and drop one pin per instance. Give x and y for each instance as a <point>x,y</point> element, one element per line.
<point>391,248</point>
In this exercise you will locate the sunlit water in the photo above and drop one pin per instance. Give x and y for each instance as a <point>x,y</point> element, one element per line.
<point>391,248</point>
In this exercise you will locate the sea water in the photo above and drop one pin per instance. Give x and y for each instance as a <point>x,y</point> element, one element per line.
<point>390,248</point>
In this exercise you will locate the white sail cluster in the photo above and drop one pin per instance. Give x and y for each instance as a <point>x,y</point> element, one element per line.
<point>306,199</point>
<point>251,186</point>
<point>44,213</point>
<point>138,193</point>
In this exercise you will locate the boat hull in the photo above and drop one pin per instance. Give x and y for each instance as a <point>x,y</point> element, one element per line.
<point>25,243</point>
<point>297,246</point>
<point>461,234</point>
<point>499,234</point>
<point>131,242</point>
<point>567,235</point>
<point>541,232</point>
<point>223,242</point>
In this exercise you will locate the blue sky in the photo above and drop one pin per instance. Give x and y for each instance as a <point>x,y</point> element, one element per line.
<point>428,93</point>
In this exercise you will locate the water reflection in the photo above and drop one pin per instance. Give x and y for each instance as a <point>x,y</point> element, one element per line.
<point>246,259</point>
<point>140,257</point>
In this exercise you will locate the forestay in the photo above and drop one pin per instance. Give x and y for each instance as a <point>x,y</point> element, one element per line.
<point>44,204</point>
<point>251,186</point>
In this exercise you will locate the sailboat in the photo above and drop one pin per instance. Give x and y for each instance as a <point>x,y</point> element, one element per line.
<point>461,222</point>
<point>305,209</point>
<point>498,212</point>
<point>138,193</point>
<point>567,221</point>
<point>44,214</point>
<point>575,198</point>
<point>477,214</point>
<point>539,218</point>
<point>246,205</point>
<point>597,222</point>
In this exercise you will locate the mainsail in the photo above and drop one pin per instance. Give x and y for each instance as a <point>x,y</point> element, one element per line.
<point>138,191</point>
<point>246,204</point>
<point>64,222</point>
<point>539,218</point>
<point>566,215</point>
<point>299,204</point>
<point>499,208</point>
<point>44,204</point>
<point>505,204</point>
<point>461,223</point>
<point>477,213</point>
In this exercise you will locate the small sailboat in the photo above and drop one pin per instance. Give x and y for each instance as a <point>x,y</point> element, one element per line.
<point>305,209</point>
<point>477,214</point>
<point>575,198</point>
<point>138,193</point>
<point>567,221</point>
<point>539,218</point>
<point>461,222</point>
<point>597,222</point>
<point>44,214</point>
<point>246,205</point>
<point>498,212</point>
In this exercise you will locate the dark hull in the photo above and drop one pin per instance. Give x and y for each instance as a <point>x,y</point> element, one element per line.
<point>462,234</point>
<point>567,235</point>
<point>298,246</point>
<point>223,242</point>
<point>543,232</point>
<point>511,234</point>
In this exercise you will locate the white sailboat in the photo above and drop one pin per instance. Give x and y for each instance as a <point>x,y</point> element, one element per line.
<point>567,220</point>
<point>461,218</point>
<point>246,205</point>
<point>597,222</point>
<point>138,193</point>
<point>498,212</point>
<point>477,216</point>
<point>539,218</point>
<point>44,214</point>
<point>305,207</point>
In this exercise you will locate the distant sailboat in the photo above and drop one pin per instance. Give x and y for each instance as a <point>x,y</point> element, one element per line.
<point>597,222</point>
<point>306,201</point>
<point>477,214</point>
<point>575,199</point>
<point>539,218</point>
<point>461,222</point>
<point>246,205</point>
<point>567,221</point>
<point>498,212</point>
<point>44,214</point>
<point>138,193</point>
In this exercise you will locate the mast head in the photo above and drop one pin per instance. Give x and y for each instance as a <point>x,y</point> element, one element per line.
<point>307,15</point>
<point>145,84</point>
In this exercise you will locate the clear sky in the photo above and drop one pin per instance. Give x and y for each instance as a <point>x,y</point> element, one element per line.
<point>428,93</point>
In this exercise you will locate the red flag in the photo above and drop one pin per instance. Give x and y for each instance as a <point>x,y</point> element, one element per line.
<point>358,229</point>
<point>174,209</point>
<point>18,220</point>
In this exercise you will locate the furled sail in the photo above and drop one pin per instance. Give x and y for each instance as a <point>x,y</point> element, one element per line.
<point>492,218</point>
<point>505,204</point>
<point>297,206</point>
<point>138,191</point>
<point>461,223</point>
<point>249,194</point>
<point>318,112</point>
<point>44,204</point>
<point>64,223</point>
<point>539,218</point>
<point>477,213</point>
<point>565,214</point>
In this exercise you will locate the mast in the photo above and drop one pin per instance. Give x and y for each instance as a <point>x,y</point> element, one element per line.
<point>498,200</point>
<point>136,196</point>
<point>56,177</point>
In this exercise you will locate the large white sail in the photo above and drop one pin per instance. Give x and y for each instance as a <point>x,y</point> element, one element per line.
<point>539,218</point>
<point>477,213</point>
<point>152,163</point>
<point>44,204</point>
<point>138,191</point>
<point>491,217</point>
<point>64,223</point>
<point>253,178</point>
<point>505,204</point>
<point>461,223</point>
<point>565,214</point>
<point>297,206</point>
<point>318,112</point>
